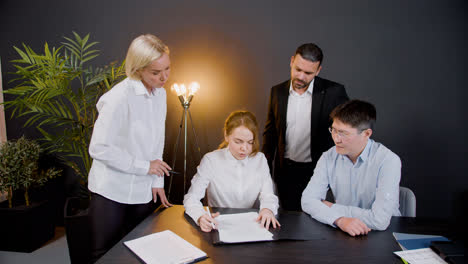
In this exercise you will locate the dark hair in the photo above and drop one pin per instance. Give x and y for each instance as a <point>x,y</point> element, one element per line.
<point>310,52</point>
<point>242,118</point>
<point>358,114</point>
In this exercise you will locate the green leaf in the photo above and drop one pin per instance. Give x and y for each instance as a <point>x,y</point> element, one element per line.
<point>77,37</point>
<point>74,50</point>
<point>90,45</point>
<point>73,43</point>
<point>24,56</point>
<point>89,58</point>
<point>83,41</point>
<point>90,52</point>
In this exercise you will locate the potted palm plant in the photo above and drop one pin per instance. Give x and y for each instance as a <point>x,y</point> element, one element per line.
<point>25,224</point>
<point>57,92</point>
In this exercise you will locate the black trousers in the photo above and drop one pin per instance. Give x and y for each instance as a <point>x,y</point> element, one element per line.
<point>110,221</point>
<point>291,181</point>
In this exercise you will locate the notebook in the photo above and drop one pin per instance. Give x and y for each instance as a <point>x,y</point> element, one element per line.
<point>165,247</point>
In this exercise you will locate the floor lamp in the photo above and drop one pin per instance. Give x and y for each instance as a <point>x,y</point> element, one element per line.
<point>185,96</point>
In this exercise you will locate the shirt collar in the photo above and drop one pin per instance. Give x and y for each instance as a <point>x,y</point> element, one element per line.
<point>309,90</point>
<point>366,152</point>
<point>140,88</point>
<point>232,159</point>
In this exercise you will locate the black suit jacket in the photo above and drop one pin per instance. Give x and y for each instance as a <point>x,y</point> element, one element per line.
<point>326,96</point>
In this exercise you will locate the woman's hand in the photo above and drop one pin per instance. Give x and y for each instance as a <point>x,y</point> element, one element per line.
<point>159,167</point>
<point>162,196</point>
<point>206,222</point>
<point>266,217</point>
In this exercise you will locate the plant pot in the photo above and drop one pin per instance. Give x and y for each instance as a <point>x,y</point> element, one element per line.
<point>77,230</point>
<point>26,228</point>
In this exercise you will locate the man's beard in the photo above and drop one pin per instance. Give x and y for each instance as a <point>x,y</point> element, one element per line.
<point>299,84</point>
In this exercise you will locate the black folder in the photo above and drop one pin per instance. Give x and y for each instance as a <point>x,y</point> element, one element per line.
<point>294,226</point>
<point>452,252</point>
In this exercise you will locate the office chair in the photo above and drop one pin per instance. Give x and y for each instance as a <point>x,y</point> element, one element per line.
<point>407,202</point>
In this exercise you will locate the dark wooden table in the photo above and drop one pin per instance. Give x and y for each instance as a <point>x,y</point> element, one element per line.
<point>329,245</point>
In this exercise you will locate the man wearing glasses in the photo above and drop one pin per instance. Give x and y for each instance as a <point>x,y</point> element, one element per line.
<point>363,175</point>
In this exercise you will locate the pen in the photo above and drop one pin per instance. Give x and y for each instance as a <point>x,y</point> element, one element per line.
<point>209,214</point>
<point>174,172</point>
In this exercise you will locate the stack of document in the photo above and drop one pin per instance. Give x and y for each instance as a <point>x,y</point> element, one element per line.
<point>165,247</point>
<point>416,248</point>
<point>239,228</point>
<point>420,256</point>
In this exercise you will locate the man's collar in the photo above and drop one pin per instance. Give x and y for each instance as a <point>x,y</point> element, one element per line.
<point>365,153</point>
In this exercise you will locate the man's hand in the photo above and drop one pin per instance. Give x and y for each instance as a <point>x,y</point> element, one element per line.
<point>162,196</point>
<point>265,217</point>
<point>352,226</point>
<point>206,222</point>
<point>159,167</point>
<point>327,203</point>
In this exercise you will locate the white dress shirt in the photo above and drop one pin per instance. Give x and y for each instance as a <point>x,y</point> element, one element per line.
<point>231,183</point>
<point>298,125</point>
<point>367,190</point>
<point>127,135</point>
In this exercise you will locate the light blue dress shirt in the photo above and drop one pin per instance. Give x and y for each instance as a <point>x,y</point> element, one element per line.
<point>367,190</point>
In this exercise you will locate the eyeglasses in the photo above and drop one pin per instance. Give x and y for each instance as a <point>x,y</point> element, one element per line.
<point>343,134</point>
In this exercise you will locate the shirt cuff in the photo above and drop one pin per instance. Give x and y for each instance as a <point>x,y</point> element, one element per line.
<point>271,207</point>
<point>141,167</point>
<point>195,213</point>
<point>158,182</point>
<point>337,212</point>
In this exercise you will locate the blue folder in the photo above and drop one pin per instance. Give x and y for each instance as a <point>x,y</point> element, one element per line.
<point>416,241</point>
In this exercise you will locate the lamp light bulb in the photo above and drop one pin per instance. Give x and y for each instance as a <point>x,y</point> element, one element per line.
<point>193,88</point>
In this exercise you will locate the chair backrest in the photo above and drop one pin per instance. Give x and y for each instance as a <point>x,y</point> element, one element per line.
<point>407,202</point>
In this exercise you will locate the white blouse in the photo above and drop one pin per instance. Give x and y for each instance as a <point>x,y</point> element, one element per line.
<point>231,183</point>
<point>127,135</point>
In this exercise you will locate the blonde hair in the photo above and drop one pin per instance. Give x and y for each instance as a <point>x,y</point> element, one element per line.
<point>242,118</point>
<point>142,51</point>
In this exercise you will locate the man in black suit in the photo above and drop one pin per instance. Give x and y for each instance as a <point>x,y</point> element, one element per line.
<point>296,130</point>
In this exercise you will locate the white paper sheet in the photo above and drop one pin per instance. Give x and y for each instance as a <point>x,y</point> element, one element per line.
<point>164,247</point>
<point>420,256</point>
<point>236,228</point>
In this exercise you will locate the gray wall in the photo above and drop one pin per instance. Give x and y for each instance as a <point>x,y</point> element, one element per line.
<point>409,59</point>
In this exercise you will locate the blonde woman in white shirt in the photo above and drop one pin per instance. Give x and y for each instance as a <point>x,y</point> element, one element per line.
<point>127,146</point>
<point>234,176</point>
